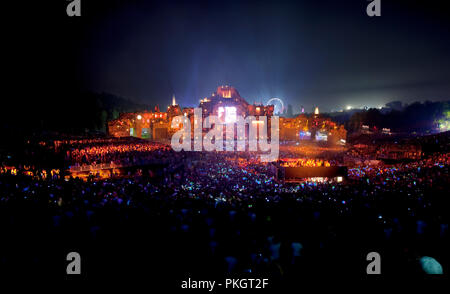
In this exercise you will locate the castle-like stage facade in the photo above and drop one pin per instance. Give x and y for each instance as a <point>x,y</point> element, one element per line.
<point>227,104</point>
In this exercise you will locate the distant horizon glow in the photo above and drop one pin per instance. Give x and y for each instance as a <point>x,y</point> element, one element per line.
<point>298,51</point>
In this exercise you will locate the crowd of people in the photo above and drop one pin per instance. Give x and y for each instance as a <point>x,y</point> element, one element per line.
<point>304,162</point>
<point>30,171</point>
<point>126,153</point>
<point>218,213</point>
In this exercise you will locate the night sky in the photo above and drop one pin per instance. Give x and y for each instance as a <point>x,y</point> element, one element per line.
<point>324,53</point>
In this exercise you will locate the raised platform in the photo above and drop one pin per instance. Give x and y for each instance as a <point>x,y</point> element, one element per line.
<point>301,173</point>
<point>311,172</point>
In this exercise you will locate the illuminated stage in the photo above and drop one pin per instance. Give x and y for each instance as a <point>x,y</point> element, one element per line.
<point>228,104</point>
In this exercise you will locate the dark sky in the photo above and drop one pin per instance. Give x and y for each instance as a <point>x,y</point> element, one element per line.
<point>325,53</point>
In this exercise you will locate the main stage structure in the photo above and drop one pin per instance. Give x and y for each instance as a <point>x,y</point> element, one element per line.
<point>227,103</point>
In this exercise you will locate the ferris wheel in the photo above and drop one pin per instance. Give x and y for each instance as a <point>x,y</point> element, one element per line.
<point>278,105</point>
